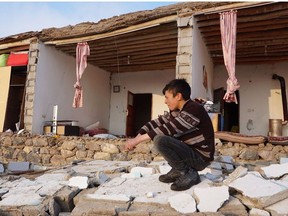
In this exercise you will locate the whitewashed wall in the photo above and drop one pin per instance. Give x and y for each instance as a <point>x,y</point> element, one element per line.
<point>140,82</point>
<point>260,95</point>
<point>55,77</point>
<point>200,58</point>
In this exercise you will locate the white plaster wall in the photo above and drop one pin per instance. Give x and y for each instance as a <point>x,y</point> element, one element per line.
<point>260,95</point>
<point>55,78</point>
<point>200,58</point>
<point>139,82</point>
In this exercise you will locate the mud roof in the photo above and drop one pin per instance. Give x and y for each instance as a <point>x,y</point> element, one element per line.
<point>125,20</point>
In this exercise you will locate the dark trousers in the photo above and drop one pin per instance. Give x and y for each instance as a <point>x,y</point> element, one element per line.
<point>178,154</point>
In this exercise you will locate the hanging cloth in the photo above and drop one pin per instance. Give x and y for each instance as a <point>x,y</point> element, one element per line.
<point>228,26</point>
<point>82,51</point>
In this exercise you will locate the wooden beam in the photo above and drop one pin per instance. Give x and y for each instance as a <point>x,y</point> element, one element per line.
<point>16,44</point>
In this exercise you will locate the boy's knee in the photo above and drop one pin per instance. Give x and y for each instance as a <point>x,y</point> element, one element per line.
<point>158,139</point>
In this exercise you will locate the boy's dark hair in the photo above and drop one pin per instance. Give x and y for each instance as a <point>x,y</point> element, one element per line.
<point>178,86</point>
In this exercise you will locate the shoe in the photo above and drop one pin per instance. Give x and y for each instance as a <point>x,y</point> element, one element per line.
<point>170,177</point>
<point>186,181</point>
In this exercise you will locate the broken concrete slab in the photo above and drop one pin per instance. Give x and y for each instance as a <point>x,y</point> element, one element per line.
<point>215,196</point>
<point>233,206</point>
<point>257,192</point>
<point>144,171</point>
<point>275,170</point>
<point>78,181</point>
<point>258,212</point>
<point>283,160</point>
<point>278,209</point>
<point>107,167</point>
<point>183,203</point>
<point>237,173</point>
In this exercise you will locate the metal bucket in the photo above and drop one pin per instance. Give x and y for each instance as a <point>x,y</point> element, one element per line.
<point>275,127</point>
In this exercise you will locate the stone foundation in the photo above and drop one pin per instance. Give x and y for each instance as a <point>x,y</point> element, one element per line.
<point>63,150</point>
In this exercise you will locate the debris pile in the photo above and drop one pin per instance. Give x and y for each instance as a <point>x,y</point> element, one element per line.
<point>100,187</point>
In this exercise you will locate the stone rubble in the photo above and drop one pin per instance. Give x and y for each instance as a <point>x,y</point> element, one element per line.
<point>106,188</point>
<point>77,176</point>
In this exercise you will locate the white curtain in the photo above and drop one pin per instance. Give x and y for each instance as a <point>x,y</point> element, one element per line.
<point>228,27</point>
<point>82,51</point>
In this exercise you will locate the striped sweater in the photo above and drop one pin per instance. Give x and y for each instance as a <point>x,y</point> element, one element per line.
<point>191,125</point>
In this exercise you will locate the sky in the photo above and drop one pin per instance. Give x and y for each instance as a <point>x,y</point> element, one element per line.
<point>19,17</point>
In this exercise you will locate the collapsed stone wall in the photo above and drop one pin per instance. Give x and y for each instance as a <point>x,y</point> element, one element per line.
<point>63,150</point>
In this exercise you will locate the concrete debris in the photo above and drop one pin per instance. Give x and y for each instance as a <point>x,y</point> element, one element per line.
<point>258,212</point>
<point>255,191</point>
<point>210,199</point>
<point>237,173</point>
<point>233,206</point>
<point>183,203</point>
<point>131,188</point>
<point>275,170</point>
<point>283,160</point>
<point>78,181</point>
<point>279,208</point>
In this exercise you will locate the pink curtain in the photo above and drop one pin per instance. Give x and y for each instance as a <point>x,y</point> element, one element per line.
<point>82,51</point>
<point>228,26</point>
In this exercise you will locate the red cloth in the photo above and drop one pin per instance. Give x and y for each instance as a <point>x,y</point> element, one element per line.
<point>82,51</point>
<point>17,59</point>
<point>228,27</point>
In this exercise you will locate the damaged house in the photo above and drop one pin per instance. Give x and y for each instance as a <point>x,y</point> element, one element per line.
<point>134,55</point>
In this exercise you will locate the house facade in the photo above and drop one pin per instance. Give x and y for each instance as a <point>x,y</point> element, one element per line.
<point>132,58</point>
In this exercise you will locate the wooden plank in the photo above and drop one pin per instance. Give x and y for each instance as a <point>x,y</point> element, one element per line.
<point>5,74</point>
<point>16,44</point>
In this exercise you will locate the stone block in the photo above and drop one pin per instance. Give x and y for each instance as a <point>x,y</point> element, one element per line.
<point>2,169</point>
<point>184,70</point>
<point>102,156</point>
<point>18,166</point>
<point>183,21</point>
<point>109,148</point>
<point>185,32</point>
<point>185,41</point>
<point>184,59</point>
<point>64,198</point>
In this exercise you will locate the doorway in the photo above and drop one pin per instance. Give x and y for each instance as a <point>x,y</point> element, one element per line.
<point>229,112</point>
<point>139,112</point>
<point>16,101</point>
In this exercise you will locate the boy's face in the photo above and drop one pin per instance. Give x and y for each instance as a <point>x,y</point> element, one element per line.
<point>172,102</point>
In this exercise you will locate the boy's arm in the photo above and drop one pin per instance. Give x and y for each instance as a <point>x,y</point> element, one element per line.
<point>131,143</point>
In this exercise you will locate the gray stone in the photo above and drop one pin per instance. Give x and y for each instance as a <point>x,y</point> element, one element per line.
<point>18,166</point>
<point>3,191</point>
<point>64,198</point>
<point>2,169</point>
<point>54,207</point>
